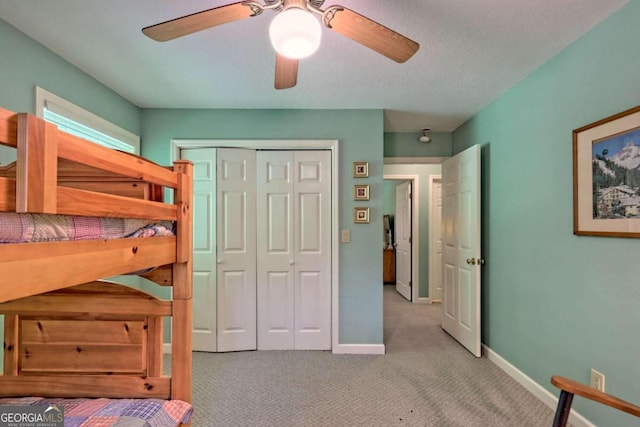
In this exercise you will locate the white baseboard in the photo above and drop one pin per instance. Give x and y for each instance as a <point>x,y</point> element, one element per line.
<point>423,300</point>
<point>342,349</point>
<point>536,389</point>
<point>359,349</point>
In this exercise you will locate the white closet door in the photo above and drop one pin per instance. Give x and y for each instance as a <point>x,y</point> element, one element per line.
<point>294,250</point>
<point>276,255</point>
<point>236,249</point>
<point>312,234</point>
<point>204,252</point>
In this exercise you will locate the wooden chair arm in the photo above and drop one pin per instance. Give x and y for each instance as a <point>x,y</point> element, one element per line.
<point>580,389</point>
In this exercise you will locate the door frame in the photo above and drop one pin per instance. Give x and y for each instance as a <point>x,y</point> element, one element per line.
<point>433,260</point>
<point>301,144</point>
<point>415,231</point>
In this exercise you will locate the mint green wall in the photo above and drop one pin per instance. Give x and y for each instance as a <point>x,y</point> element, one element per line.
<point>406,144</point>
<point>389,196</point>
<point>555,303</point>
<point>26,64</point>
<point>360,135</point>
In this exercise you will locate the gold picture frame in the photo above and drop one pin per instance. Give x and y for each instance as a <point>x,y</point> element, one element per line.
<point>361,192</point>
<point>360,169</point>
<point>361,215</point>
<point>605,180</point>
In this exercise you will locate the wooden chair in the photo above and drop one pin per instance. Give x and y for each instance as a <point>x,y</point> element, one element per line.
<point>569,388</point>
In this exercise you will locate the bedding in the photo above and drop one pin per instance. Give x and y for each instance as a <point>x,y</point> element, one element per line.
<point>22,228</point>
<point>115,412</point>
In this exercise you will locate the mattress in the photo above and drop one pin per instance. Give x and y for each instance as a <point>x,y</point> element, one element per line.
<point>114,412</point>
<point>23,228</point>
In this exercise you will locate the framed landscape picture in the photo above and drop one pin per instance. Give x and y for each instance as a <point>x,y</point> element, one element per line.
<point>606,176</point>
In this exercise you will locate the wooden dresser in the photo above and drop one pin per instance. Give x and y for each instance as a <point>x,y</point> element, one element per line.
<point>389,266</point>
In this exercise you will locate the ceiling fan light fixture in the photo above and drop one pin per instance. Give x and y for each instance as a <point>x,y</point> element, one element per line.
<point>295,33</point>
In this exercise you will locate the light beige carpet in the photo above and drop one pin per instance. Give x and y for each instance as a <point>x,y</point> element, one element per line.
<point>425,379</point>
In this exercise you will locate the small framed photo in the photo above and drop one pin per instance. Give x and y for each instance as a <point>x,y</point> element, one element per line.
<point>360,169</point>
<point>361,215</point>
<point>361,192</point>
<point>606,181</point>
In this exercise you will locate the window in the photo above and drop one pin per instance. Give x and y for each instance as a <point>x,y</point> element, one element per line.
<point>80,122</point>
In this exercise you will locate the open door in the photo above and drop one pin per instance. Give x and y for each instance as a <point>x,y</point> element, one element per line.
<point>403,239</point>
<point>462,257</point>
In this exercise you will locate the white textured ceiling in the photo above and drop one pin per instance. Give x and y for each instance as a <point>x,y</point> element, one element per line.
<point>471,52</point>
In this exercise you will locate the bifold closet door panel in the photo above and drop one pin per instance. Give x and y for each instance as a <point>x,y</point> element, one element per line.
<point>312,237</point>
<point>204,251</point>
<point>276,257</point>
<point>236,249</point>
<point>294,249</point>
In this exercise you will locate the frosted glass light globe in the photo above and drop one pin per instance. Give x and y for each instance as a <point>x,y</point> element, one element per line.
<point>295,33</point>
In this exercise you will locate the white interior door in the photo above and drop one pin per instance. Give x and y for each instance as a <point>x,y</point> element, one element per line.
<point>462,257</point>
<point>294,250</point>
<point>312,234</point>
<point>204,252</point>
<point>402,223</point>
<point>435,241</point>
<point>276,254</point>
<point>236,249</point>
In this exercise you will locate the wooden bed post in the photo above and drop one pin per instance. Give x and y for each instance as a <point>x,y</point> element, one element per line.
<point>181,336</point>
<point>36,173</point>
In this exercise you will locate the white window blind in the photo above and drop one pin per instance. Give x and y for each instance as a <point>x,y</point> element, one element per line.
<point>78,129</point>
<point>77,121</point>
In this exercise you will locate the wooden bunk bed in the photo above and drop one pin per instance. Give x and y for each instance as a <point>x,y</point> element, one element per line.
<point>67,332</point>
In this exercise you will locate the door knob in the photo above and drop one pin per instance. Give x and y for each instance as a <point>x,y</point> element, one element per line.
<point>219,261</point>
<point>291,262</point>
<point>471,261</point>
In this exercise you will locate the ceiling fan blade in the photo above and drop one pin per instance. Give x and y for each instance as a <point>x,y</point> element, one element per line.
<point>370,34</point>
<point>286,72</point>
<point>199,21</point>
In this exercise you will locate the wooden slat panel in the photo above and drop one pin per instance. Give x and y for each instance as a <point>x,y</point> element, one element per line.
<point>73,148</point>
<point>104,288</point>
<point>11,344</point>
<point>36,174</point>
<point>181,358</point>
<point>124,189</point>
<point>162,276</point>
<point>34,268</point>
<point>8,128</point>
<point>79,202</point>
<point>85,386</point>
<point>154,347</point>
<point>82,358</point>
<point>7,195</point>
<point>49,305</point>
<point>82,331</point>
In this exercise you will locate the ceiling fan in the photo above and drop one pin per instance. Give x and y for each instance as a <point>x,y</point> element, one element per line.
<point>337,18</point>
